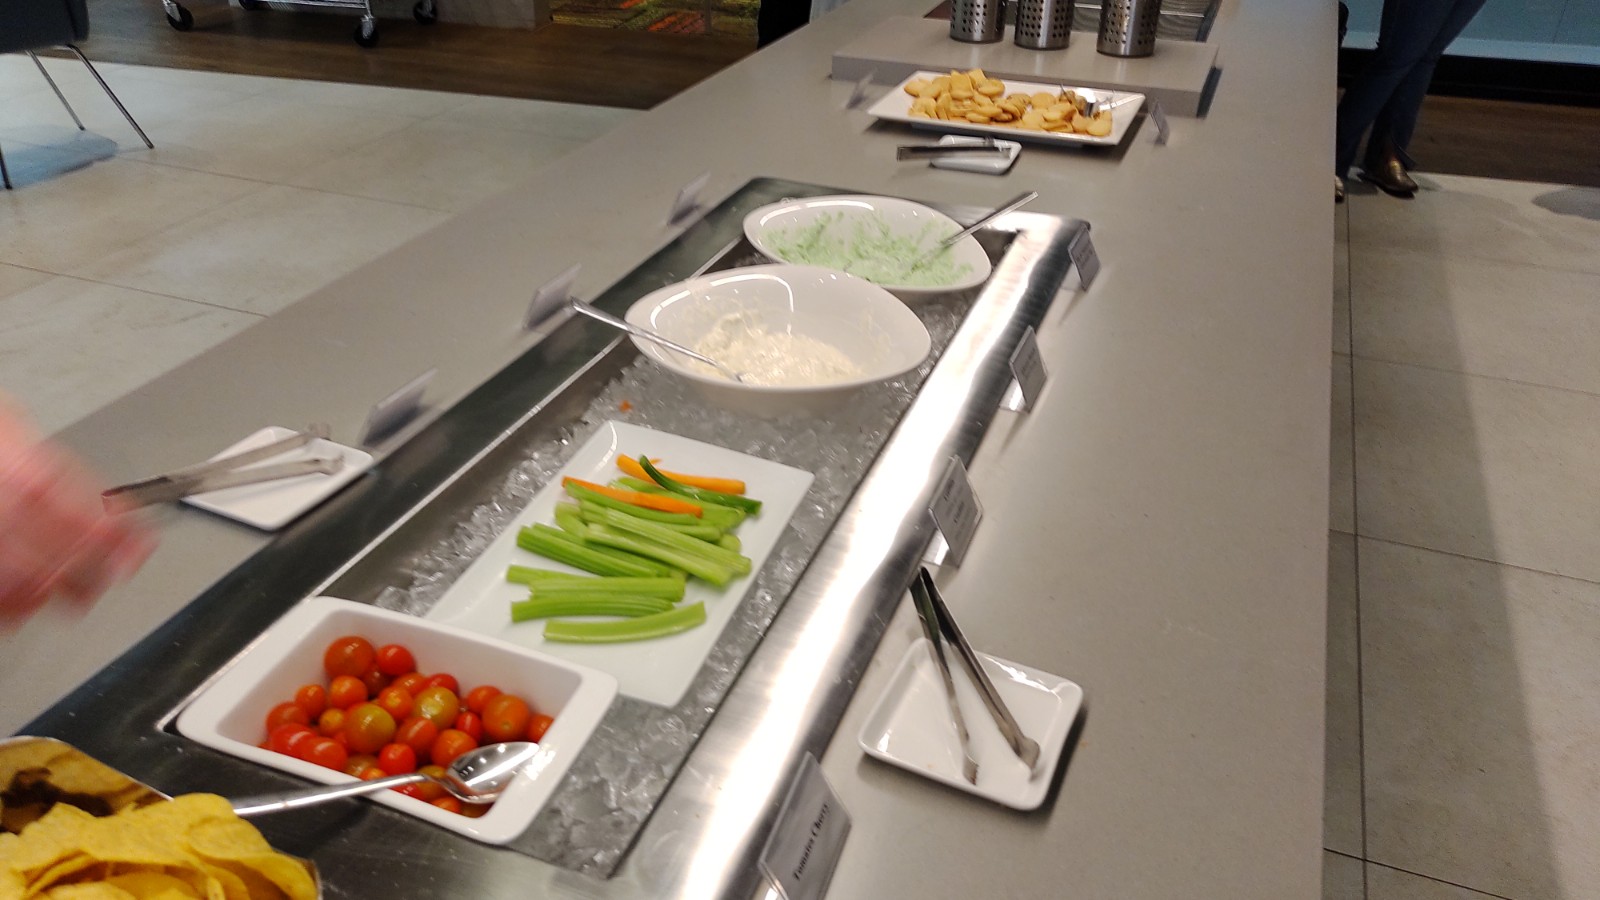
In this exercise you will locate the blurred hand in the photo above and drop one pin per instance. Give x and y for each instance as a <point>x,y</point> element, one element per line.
<point>55,537</point>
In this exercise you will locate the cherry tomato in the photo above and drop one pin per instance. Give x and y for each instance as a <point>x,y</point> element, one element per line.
<point>368,727</point>
<point>278,739</point>
<point>397,701</point>
<point>360,762</point>
<point>451,744</point>
<point>410,790</point>
<point>427,790</point>
<point>343,739</point>
<point>375,680</point>
<point>372,773</point>
<point>468,721</point>
<point>328,753</point>
<point>299,743</point>
<point>506,718</point>
<point>397,759</point>
<point>475,810</point>
<point>395,660</point>
<point>448,804</point>
<point>313,698</point>
<point>349,655</point>
<point>479,696</point>
<point>284,714</point>
<point>448,682</point>
<point>417,733</point>
<point>346,691</point>
<point>413,682</point>
<point>438,705</point>
<point>538,724</point>
<point>331,722</point>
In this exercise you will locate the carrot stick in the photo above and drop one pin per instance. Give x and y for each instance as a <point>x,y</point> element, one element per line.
<point>722,485</point>
<point>637,498</point>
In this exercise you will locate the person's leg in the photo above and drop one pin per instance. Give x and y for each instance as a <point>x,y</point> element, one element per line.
<point>1404,36</point>
<point>1398,119</point>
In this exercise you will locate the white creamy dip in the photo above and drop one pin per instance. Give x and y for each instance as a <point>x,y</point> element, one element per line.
<point>765,357</point>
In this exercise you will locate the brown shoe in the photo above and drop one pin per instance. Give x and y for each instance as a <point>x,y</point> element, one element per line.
<point>1388,174</point>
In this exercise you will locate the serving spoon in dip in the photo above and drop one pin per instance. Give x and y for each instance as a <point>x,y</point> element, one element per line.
<point>578,306</point>
<point>477,776</point>
<point>1015,202</point>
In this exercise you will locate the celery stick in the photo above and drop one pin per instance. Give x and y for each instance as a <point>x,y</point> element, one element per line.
<point>553,543</point>
<point>673,621</point>
<point>716,572</point>
<point>724,517</point>
<point>730,542</point>
<point>644,512</point>
<point>658,588</point>
<point>533,608</point>
<point>702,495</point>
<point>666,536</point>
<point>597,514</point>
<point>569,521</point>
<point>530,575</point>
<point>581,493</point>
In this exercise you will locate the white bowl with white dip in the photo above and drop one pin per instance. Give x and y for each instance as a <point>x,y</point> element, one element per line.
<point>876,238</point>
<point>805,338</point>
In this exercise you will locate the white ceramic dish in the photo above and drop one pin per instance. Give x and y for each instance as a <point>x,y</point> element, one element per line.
<point>982,164</point>
<point>659,670</point>
<point>274,504</point>
<point>910,726</point>
<point>863,321</point>
<point>862,217</point>
<point>228,714</point>
<point>895,106</point>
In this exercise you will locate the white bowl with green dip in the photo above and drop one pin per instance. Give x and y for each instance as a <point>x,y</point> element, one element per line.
<point>870,237</point>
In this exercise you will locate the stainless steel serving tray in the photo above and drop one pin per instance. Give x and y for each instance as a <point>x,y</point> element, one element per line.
<point>798,670</point>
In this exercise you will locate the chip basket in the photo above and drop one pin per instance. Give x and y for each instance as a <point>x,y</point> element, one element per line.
<point>366,33</point>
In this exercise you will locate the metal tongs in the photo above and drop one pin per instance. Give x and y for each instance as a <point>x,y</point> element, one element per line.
<point>939,626</point>
<point>222,473</point>
<point>928,151</point>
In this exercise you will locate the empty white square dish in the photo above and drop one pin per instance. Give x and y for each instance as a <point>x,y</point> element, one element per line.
<point>274,504</point>
<point>910,726</point>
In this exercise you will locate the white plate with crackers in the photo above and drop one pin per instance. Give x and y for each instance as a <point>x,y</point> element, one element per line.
<point>972,102</point>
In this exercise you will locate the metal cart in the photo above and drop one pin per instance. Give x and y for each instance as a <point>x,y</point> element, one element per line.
<point>366,33</point>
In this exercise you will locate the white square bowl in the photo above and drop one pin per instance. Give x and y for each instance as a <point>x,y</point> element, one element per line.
<point>228,715</point>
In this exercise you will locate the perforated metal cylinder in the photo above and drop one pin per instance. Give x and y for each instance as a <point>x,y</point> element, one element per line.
<point>1128,27</point>
<point>977,21</point>
<point>1043,24</point>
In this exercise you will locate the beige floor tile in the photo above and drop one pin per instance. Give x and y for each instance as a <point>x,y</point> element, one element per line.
<point>1487,318</point>
<point>68,347</point>
<point>265,138</point>
<point>1341,810</point>
<point>1342,878</point>
<point>1341,457</point>
<point>571,121</point>
<point>1481,712</point>
<point>70,221</point>
<point>1549,225</point>
<point>267,250</point>
<point>395,101</point>
<point>1384,883</point>
<point>1478,466</point>
<point>437,164</point>
<point>1341,298</point>
<point>14,280</point>
<point>37,116</point>
<point>224,81</point>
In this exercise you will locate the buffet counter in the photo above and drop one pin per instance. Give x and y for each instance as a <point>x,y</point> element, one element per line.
<point>1154,528</point>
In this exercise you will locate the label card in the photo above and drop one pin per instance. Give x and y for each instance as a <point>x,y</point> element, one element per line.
<point>1027,367</point>
<point>392,412</point>
<point>804,848</point>
<point>1084,257</point>
<point>688,200</point>
<point>550,299</point>
<point>956,510</point>
<point>1158,115</point>
<point>859,92</point>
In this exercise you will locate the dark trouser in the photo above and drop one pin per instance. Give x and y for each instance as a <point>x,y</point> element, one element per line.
<point>1387,95</point>
<point>776,18</point>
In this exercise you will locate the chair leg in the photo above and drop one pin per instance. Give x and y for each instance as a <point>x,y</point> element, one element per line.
<point>59,96</point>
<point>5,176</point>
<point>109,93</point>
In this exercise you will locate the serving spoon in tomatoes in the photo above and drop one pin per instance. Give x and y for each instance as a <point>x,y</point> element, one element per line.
<point>477,776</point>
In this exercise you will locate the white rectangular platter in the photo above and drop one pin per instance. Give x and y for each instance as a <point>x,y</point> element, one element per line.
<point>658,670</point>
<point>895,106</point>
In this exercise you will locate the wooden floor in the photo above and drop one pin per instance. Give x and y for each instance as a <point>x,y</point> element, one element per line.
<point>638,69</point>
<point>611,67</point>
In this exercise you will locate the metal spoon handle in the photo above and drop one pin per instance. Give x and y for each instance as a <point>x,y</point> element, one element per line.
<point>579,306</point>
<point>1019,200</point>
<point>295,799</point>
